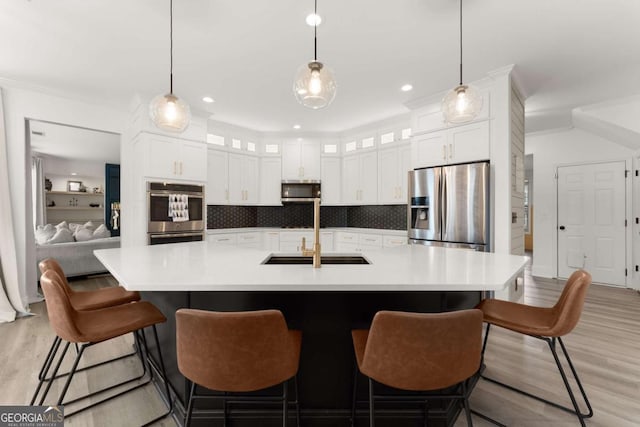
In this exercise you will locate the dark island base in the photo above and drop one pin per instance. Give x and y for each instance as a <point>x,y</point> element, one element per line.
<point>325,377</point>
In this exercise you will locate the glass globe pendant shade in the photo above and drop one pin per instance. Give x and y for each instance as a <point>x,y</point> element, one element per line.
<point>462,104</point>
<point>314,85</point>
<point>170,113</point>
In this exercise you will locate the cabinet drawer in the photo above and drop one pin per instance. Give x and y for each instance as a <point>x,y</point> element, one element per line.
<point>223,239</point>
<point>345,237</point>
<point>249,238</point>
<point>296,236</point>
<point>370,240</point>
<point>392,241</point>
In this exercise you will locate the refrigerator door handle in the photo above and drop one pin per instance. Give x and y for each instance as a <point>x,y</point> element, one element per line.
<point>443,198</point>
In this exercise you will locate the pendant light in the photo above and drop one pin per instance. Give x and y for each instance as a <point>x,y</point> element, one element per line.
<point>314,85</point>
<point>464,102</point>
<point>168,112</point>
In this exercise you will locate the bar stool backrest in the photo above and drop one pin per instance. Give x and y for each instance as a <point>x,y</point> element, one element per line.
<point>568,308</point>
<point>61,313</point>
<point>235,351</point>
<point>423,351</point>
<point>52,264</point>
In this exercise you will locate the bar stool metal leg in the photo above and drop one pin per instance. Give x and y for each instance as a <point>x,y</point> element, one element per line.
<point>372,421</point>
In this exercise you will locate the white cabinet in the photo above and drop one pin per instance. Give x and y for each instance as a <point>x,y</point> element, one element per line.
<point>243,179</point>
<point>217,190</point>
<point>393,241</point>
<point>393,166</point>
<point>369,241</point>
<point>251,239</point>
<point>291,241</point>
<point>173,158</point>
<point>301,160</point>
<point>346,241</point>
<point>270,181</point>
<point>331,180</point>
<point>360,179</point>
<point>326,241</point>
<point>460,144</point>
<point>271,241</point>
<point>223,238</point>
<point>430,118</point>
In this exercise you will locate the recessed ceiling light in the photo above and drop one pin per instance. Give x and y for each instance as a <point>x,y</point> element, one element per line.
<point>406,88</point>
<point>296,126</point>
<point>73,174</point>
<point>208,99</point>
<point>313,20</point>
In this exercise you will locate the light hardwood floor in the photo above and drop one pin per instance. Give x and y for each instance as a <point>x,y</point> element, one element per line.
<point>605,347</point>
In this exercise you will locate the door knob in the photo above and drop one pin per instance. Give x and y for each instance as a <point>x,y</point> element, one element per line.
<point>562,227</point>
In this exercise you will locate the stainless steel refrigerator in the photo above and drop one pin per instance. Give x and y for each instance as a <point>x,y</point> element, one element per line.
<point>449,206</point>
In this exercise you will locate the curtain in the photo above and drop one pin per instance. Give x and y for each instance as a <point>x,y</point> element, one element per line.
<point>10,300</point>
<point>37,190</point>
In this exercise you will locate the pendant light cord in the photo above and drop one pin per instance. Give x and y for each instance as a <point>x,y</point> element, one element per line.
<point>171,44</point>
<point>315,31</point>
<point>460,42</point>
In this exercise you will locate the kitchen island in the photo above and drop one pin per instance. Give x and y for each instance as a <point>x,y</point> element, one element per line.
<point>324,303</point>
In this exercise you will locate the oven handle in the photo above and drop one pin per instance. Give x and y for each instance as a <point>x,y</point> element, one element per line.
<point>172,235</point>
<point>192,195</point>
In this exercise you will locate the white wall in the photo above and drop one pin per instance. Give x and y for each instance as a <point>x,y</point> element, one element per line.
<point>550,150</point>
<point>59,170</point>
<point>22,103</point>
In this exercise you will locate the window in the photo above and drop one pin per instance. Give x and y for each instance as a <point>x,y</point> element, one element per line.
<point>406,133</point>
<point>215,139</point>
<point>367,142</point>
<point>386,138</point>
<point>271,148</point>
<point>330,148</point>
<point>251,146</point>
<point>236,143</point>
<point>350,146</point>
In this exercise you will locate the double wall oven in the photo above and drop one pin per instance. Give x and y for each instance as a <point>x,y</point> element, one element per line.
<point>176,213</point>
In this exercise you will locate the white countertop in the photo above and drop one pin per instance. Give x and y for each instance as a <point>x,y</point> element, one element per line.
<point>387,232</point>
<point>204,266</point>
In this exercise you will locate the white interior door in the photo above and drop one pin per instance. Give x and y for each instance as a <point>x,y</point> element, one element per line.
<point>591,221</point>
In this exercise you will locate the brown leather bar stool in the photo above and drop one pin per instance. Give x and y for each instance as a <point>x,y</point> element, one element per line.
<point>237,352</point>
<point>89,328</point>
<point>90,300</point>
<point>419,352</point>
<point>86,300</point>
<point>549,324</point>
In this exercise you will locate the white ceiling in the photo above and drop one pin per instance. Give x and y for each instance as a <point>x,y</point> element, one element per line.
<point>244,53</point>
<point>74,143</point>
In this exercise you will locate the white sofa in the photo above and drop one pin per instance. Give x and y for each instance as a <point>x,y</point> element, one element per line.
<point>76,258</point>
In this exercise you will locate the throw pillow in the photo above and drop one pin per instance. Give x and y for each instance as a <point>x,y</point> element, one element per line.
<point>89,225</point>
<point>44,233</point>
<point>101,232</point>
<point>83,234</point>
<point>73,226</point>
<point>63,235</point>
<point>63,224</point>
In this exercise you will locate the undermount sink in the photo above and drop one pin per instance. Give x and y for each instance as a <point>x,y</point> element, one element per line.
<point>282,259</point>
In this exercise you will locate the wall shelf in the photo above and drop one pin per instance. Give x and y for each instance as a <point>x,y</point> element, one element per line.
<point>73,193</point>
<point>73,208</point>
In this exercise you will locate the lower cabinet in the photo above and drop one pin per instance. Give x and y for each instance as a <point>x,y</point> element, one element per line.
<point>271,241</point>
<point>393,241</point>
<point>223,239</point>
<point>251,239</point>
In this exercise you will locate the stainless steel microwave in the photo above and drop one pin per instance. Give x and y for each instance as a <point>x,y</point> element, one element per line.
<point>300,191</point>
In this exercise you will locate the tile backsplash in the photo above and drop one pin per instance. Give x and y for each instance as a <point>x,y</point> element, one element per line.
<point>301,215</point>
